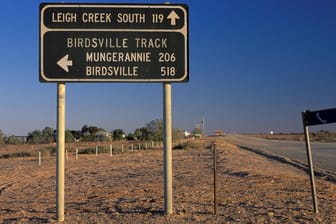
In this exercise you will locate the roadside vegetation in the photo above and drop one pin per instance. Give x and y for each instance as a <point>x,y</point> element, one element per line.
<point>44,141</point>
<point>319,136</point>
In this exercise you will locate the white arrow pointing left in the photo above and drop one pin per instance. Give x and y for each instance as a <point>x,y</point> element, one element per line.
<point>64,63</point>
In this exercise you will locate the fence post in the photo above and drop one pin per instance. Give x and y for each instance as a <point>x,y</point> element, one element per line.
<point>214,178</point>
<point>40,159</point>
<point>111,150</point>
<point>77,154</point>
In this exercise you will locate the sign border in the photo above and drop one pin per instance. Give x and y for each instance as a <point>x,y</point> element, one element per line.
<point>319,117</point>
<point>43,29</point>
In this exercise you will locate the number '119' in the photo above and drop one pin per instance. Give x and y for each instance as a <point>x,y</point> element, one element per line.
<point>158,18</point>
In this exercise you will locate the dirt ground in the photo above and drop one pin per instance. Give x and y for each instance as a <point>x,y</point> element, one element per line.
<point>128,188</point>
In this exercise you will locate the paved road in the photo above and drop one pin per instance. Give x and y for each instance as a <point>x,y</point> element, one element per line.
<point>324,154</point>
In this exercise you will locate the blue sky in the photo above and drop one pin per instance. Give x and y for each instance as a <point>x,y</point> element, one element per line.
<point>254,67</point>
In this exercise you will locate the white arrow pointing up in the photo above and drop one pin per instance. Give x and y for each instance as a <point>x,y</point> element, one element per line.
<point>173,17</point>
<point>64,63</point>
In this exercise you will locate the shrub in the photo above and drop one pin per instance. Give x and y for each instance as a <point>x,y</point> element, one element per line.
<point>185,145</point>
<point>87,151</point>
<point>48,150</point>
<point>15,155</point>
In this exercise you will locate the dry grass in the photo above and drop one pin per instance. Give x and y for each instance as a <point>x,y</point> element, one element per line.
<point>320,136</point>
<point>128,188</point>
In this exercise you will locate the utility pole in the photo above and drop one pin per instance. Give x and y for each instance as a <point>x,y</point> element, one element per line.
<point>203,125</point>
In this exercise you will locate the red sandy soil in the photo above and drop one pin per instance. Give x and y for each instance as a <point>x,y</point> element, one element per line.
<point>128,188</point>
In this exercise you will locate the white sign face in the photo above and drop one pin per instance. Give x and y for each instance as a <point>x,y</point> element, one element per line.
<point>113,43</point>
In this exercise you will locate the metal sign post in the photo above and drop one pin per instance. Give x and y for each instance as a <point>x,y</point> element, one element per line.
<point>310,118</point>
<point>311,168</point>
<point>60,152</point>
<point>167,126</point>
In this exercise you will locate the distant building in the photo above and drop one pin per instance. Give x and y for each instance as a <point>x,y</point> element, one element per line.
<point>198,131</point>
<point>187,134</point>
<point>219,132</point>
<point>103,134</point>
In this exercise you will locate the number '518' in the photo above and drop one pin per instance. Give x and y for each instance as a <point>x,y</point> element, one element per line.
<point>168,71</point>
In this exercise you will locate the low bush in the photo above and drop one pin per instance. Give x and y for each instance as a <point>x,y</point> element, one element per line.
<point>185,145</point>
<point>93,150</point>
<point>15,155</point>
<point>49,150</point>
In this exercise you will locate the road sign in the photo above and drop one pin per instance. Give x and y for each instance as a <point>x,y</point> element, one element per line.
<point>310,118</point>
<point>319,117</point>
<point>113,43</point>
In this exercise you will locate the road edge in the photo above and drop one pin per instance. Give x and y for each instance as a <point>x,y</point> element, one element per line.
<point>320,173</point>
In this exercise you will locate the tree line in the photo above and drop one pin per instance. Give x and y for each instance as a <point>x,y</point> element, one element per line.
<point>152,131</point>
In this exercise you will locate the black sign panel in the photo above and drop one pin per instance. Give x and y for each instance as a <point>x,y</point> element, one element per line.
<point>114,16</point>
<point>113,43</point>
<point>319,117</point>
